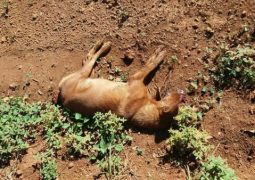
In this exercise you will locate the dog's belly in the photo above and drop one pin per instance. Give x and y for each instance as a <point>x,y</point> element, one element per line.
<point>92,95</point>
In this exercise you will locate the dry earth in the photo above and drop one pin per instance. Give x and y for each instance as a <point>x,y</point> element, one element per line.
<point>41,41</point>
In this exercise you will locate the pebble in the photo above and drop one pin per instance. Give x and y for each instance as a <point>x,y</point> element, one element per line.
<point>40,92</point>
<point>19,173</point>
<point>70,165</point>
<point>129,57</point>
<point>13,86</point>
<point>252,110</point>
<point>168,148</point>
<point>209,32</point>
<point>34,16</point>
<point>195,26</point>
<point>3,39</point>
<point>249,158</point>
<point>244,13</point>
<point>19,67</point>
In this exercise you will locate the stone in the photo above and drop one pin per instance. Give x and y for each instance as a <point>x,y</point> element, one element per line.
<point>13,86</point>
<point>209,32</point>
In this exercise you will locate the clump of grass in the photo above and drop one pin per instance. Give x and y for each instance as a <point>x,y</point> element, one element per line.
<point>124,77</point>
<point>5,7</point>
<point>188,144</point>
<point>235,68</point>
<point>101,138</point>
<point>18,121</point>
<point>188,115</point>
<point>216,168</point>
<point>48,166</point>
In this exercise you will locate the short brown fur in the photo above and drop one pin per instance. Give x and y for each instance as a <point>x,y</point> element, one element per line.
<point>81,93</point>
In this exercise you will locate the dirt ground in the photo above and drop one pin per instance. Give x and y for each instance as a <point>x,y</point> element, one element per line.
<point>42,41</point>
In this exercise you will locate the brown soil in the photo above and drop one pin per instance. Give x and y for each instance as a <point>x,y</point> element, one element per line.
<point>41,41</point>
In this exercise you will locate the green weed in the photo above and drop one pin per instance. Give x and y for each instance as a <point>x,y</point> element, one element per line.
<point>5,7</point>
<point>124,77</point>
<point>101,138</point>
<point>188,143</point>
<point>216,168</point>
<point>188,115</point>
<point>48,166</point>
<point>235,69</point>
<point>18,121</point>
<point>174,59</point>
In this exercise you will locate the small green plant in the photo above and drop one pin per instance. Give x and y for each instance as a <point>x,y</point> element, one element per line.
<point>216,168</point>
<point>139,151</point>
<point>124,76</point>
<point>18,121</point>
<point>117,70</point>
<point>235,69</point>
<point>188,143</point>
<point>123,16</point>
<point>101,138</point>
<point>6,5</point>
<point>188,115</point>
<point>174,59</point>
<point>112,165</point>
<point>30,2</point>
<point>48,166</point>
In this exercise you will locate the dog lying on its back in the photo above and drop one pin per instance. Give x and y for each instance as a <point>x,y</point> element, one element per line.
<point>131,100</point>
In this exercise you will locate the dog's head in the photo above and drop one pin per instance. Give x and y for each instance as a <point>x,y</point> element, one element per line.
<point>170,104</point>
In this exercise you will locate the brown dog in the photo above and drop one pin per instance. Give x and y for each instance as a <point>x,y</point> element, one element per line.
<point>131,100</point>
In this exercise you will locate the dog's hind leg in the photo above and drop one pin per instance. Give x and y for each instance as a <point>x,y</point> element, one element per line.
<point>152,63</point>
<point>99,50</point>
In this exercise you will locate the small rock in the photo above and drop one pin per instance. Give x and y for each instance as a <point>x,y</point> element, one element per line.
<point>13,86</point>
<point>40,92</point>
<point>53,65</point>
<point>168,148</point>
<point>19,67</point>
<point>252,110</point>
<point>118,79</point>
<point>50,89</point>
<point>249,158</point>
<point>19,173</point>
<point>70,165</point>
<point>34,16</point>
<point>244,13</point>
<point>209,32</point>
<point>129,57</point>
<point>3,39</point>
<point>195,26</point>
